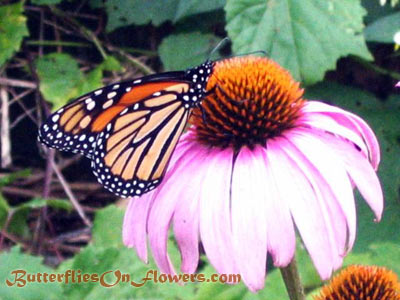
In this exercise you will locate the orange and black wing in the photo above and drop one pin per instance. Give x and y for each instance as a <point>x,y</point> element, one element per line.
<point>129,130</point>
<point>75,127</point>
<point>132,153</point>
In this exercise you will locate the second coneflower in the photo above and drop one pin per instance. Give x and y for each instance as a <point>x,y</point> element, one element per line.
<point>362,283</point>
<point>257,162</point>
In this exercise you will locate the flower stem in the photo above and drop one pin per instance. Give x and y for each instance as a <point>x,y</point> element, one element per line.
<point>292,281</point>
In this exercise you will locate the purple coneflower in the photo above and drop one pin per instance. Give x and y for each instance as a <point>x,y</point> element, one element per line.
<point>264,162</point>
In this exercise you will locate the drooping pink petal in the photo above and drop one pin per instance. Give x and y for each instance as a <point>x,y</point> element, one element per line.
<point>249,217</point>
<point>186,214</point>
<point>135,223</point>
<point>307,193</point>
<point>215,216</point>
<point>169,194</point>
<point>360,171</point>
<point>281,239</point>
<point>324,122</point>
<point>333,171</point>
<point>350,121</point>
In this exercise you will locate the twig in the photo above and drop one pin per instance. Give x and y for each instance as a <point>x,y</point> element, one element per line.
<point>39,230</point>
<point>82,234</point>
<point>5,137</point>
<point>27,112</point>
<point>134,61</point>
<point>88,34</point>
<point>17,83</point>
<point>5,226</point>
<point>20,192</point>
<point>21,117</point>
<point>20,96</point>
<point>63,164</point>
<point>70,195</point>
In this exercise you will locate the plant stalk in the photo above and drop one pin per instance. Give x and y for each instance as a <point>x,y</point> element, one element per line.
<point>292,281</point>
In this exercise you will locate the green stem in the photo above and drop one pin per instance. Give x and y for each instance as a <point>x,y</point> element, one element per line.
<point>376,68</point>
<point>292,281</point>
<point>57,43</point>
<point>139,51</point>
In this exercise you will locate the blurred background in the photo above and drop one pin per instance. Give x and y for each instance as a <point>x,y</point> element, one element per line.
<point>54,216</point>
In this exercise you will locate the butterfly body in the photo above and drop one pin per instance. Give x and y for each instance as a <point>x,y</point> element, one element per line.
<point>129,130</point>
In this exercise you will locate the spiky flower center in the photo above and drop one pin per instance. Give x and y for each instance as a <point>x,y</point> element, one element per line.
<point>250,99</point>
<point>362,283</point>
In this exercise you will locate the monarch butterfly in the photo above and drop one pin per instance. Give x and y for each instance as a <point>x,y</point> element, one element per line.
<point>129,130</point>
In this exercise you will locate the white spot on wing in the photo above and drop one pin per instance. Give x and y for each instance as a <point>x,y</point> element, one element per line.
<point>111,95</point>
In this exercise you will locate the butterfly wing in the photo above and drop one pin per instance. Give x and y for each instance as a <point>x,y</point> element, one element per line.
<point>129,130</point>
<point>132,153</point>
<point>75,127</point>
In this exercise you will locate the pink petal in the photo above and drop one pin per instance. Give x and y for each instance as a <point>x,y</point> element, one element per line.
<point>350,121</point>
<point>326,123</point>
<point>281,237</point>
<point>186,214</point>
<point>249,223</point>
<point>169,194</point>
<point>215,217</point>
<point>135,223</point>
<point>307,194</point>
<point>360,171</point>
<point>332,169</point>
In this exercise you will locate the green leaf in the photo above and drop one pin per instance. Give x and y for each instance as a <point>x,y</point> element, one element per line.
<point>96,3</point>
<point>93,80</point>
<point>110,64</point>
<point>4,210</point>
<point>9,178</point>
<point>141,12</point>
<point>15,260</point>
<point>192,7</point>
<point>107,227</point>
<point>274,288</point>
<point>375,10</point>
<point>178,52</point>
<point>383,29</point>
<point>12,29</point>
<point>107,253</point>
<point>45,2</point>
<point>59,76</point>
<point>305,37</point>
<point>36,203</point>
<point>61,79</point>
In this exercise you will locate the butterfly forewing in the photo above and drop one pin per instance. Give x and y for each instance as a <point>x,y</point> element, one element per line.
<point>129,130</point>
<point>132,153</point>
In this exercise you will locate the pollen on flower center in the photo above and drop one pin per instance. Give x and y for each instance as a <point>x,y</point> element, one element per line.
<point>362,283</point>
<point>250,99</point>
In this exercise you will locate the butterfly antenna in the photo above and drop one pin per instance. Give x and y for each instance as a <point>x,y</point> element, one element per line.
<point>220,44</point>
<point>244,54</point>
